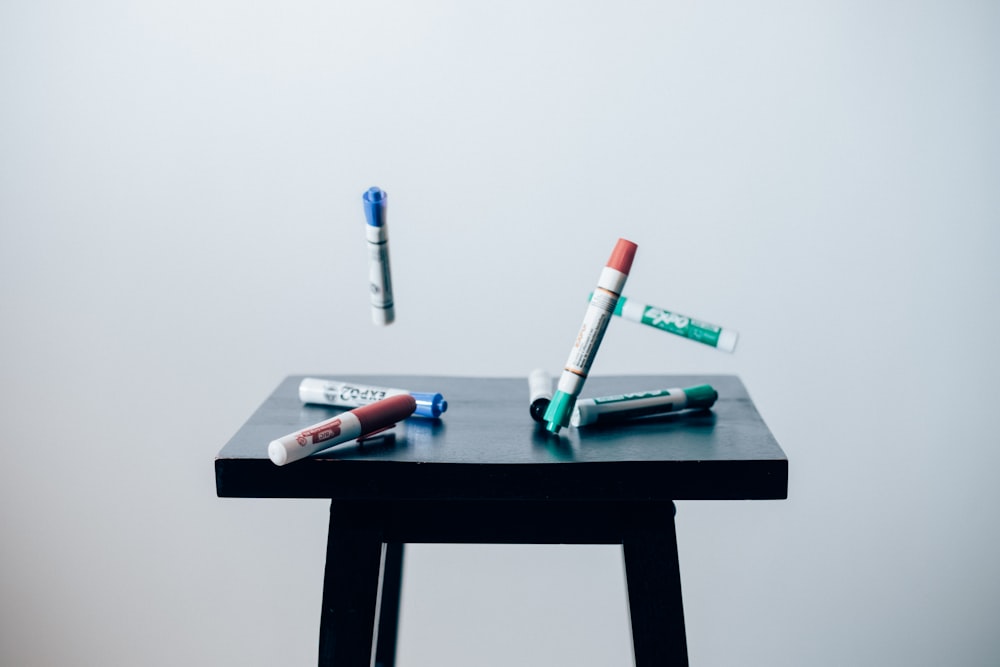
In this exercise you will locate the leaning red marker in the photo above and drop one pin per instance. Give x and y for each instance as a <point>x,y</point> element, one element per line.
<point>595,323</point>
<point>344,427</point>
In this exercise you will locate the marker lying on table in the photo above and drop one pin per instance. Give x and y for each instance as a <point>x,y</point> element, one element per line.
<point>641,404</point>
<point>595,323</point>
<point>383,309</point>
<point>681,325</point>
<point>351,395</point>
<point>539,393</point>
<point>358,423</point>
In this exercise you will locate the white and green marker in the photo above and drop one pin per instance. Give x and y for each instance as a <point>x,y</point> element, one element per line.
<point>642,404</point>
<point>595,323</point>
<point>675,323</point>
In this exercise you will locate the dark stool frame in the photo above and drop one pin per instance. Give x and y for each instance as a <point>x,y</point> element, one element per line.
<point>364,562</point>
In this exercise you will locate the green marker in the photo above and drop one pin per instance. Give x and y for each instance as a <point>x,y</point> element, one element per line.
<point>642,404</point>
<point>675,323</point>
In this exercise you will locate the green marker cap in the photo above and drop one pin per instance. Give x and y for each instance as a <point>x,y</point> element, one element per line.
<point>559,411</point>
<point>701,396</point>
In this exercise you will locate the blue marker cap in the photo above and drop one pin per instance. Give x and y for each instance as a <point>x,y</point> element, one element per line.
<point>374,200</point>
<point>429,405</point>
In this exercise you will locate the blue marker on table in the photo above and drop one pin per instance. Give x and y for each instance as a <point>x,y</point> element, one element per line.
<point>352,395</point>
<point>383,309</point>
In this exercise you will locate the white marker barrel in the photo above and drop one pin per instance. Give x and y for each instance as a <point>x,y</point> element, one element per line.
<point>379,276</point>
<point>342,428</point>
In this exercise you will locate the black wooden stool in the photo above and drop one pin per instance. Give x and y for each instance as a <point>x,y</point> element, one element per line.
<point>486,473</point>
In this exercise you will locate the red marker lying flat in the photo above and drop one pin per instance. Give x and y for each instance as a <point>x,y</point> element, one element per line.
<point>346,426</point>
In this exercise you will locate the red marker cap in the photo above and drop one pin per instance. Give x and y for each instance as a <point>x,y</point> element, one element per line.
<point>386,412</point>
<point>622,256</point>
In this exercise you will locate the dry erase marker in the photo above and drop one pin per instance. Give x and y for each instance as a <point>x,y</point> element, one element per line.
<point>595,323</point>
<point>357,423</point>
<point>675,323</point>
<point>539,393</point>
<point>352,395</point>
<point>641,404</point>
<point>379,278</point>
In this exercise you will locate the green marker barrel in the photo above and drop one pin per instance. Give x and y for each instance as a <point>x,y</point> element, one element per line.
<point>677,324</point>
<point>642,404</point>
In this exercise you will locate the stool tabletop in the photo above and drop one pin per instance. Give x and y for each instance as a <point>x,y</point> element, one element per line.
<point>487,447</point>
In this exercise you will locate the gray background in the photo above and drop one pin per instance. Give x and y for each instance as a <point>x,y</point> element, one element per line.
<point>181,227</point>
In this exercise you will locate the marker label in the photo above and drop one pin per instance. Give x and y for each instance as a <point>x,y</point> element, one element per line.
<point>637,405</point>
<point>352,395</point>
<point>379,276</point>
<point>631,397</point>
<point>595,324</point>
<point>699,331</point>
<point>325,431</point>
<point>702,332</point>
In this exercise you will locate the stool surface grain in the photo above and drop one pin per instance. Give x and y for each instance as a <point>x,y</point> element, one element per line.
<point>487,447</point>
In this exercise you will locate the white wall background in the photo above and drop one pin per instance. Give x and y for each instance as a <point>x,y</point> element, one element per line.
<point>180,228</point>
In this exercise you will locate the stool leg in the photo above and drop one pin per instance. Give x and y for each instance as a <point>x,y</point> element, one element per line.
<point>653,579</point>
<point>388,624</point>
<point>354,557</point>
